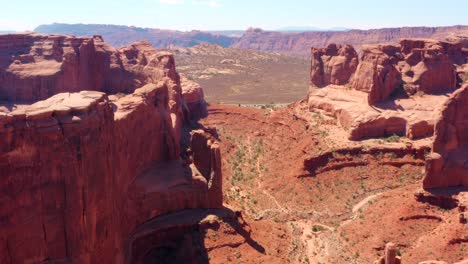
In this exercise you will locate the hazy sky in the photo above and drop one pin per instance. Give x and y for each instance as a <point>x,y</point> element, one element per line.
<point>234,14</point>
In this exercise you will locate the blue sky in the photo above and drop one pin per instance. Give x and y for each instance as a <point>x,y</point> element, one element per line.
<point>234,14</point>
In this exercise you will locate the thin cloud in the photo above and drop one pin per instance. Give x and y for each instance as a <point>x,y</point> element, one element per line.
<point>210,3</point>
<point>171,2</point>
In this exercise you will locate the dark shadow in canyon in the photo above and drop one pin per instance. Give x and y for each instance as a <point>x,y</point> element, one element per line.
<point>443,197</point>
<point>180,237</point>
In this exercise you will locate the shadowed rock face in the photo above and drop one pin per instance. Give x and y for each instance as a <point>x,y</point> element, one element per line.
<point>376,73</point>
<point>447,165</point>
<point>81,170</point>
<point>333,65</point>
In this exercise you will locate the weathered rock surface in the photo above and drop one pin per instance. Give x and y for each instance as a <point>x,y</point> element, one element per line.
<point>81,170</point>
<point>195,99</point>
<point>34,67</point>
<point>376,74</point>
<point>382,99</point>
<point>415,65</point>
<point>428,65</point>
<point>390,255</point>
<point>333,65</point>
<point>411,117</point>
<point>447,165</point>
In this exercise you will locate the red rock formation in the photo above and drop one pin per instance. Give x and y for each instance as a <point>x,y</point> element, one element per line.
<point>80,171</point>
<point>195,99</point>
<point>447,165</point>
<point>376,73</point>
<point>390,255</point>
<point>333,65</point>
<point>417,65</point>
<point>428,65</point>
<point>34,67</point>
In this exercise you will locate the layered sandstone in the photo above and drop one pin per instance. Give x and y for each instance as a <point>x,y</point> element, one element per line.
<point>447,165</point>
<point>333,65</point>
<point>82,169</point>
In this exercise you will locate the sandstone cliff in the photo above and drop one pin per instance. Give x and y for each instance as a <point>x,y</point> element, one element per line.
<point>82,169</point>
<point>333,65</point>
<point>447,165</point>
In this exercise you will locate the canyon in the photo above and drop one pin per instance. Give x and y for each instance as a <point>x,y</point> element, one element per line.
<point>109,155</point>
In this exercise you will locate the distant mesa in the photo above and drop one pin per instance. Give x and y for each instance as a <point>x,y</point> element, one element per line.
<point>299,43</point>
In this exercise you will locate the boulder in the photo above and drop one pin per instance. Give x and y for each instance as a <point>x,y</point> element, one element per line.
<point>333,65</point>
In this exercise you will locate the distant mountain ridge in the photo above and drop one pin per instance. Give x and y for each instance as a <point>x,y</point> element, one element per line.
<point>300,43</point>
<point>118,35</point>
<point>306,29</point>
<point>288,41</point>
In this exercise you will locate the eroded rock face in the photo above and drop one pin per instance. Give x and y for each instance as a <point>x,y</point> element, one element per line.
<point>390,255</point>
<point>34,67</point>
<point>81,170</point>
<point>447,165</point>
<point>195,99</point>
<point>428,65</point>
<point>415,65</point>
<point>376,74</point>
<point>333,65</point>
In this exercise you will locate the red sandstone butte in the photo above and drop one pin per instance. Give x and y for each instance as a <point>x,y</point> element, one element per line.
<point>81,169</point>
<point>333,65</point>
<point>447,165</point>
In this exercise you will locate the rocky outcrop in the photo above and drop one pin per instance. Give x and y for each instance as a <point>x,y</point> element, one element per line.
<point>428,65</point>
<point>34,67</point>
<point>395,89</point>
<point>333,65</point>
<point>376,74</point>
<point>81,170</point>
<point>411,117</point>
<point>447,165</point>
<point>390,255</point>
<point>195,99</point>
<point>413,66</point>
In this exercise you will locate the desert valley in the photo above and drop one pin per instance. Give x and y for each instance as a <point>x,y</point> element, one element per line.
<point>139,145</point>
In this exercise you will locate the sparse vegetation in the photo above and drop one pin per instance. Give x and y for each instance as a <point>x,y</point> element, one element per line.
<point>392,139</point>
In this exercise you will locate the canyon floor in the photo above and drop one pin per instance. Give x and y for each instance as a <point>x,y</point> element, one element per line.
<point>360,195</point>
<point>235,76</point>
